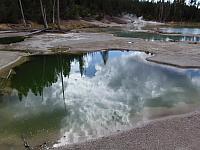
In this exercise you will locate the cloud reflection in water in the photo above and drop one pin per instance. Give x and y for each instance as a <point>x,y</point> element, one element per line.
<point>120,94</point>
<point>114,91</point>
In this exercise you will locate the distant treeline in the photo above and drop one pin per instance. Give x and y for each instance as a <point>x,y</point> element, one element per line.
<point>10,11</point>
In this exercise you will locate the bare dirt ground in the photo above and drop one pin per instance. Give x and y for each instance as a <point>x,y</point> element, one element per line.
<point>65,25</point>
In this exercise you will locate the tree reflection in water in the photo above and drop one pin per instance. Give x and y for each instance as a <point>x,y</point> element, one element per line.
<point>36,78</point>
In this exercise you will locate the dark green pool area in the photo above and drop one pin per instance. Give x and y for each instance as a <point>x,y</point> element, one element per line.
<point>9,40</point>
<point>61,99</point>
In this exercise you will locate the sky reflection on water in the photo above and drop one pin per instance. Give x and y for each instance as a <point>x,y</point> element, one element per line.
<point>181,30</point>
<point>156,36</point>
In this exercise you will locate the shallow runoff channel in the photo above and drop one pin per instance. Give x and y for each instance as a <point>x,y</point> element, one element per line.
<point>63,99</point>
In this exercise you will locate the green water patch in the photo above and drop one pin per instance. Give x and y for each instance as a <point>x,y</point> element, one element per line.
<point>153,36</point>
<point>34,124</point>
<point>156,36</point>
<point>165,33</point>
<point>9,40</point>
<point>145,35</point>
<point>76,97</point>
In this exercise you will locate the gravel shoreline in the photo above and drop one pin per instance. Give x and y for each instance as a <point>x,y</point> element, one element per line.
<point>180,132</point>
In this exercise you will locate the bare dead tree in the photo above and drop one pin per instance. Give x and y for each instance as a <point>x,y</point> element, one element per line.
<point>58,13</point>
<point>54,5</point>
<point>43,14</point>
<point>22,13</point>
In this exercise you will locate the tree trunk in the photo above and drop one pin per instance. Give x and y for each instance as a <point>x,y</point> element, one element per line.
<point>161,11</point>
<point>58,13</point>
<point>22,12</point>
<point>54,5</point>
<point>168,12</point>
<point>43,14</point>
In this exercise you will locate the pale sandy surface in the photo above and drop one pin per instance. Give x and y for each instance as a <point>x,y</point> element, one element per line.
<point>12,34</point>
<point>7,58</point>
<point>180,54</point>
